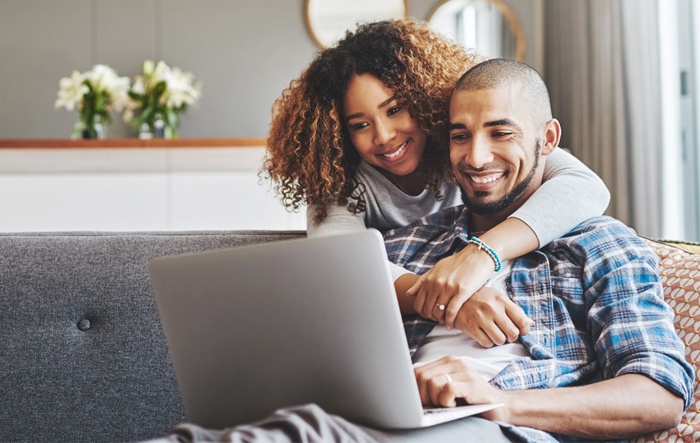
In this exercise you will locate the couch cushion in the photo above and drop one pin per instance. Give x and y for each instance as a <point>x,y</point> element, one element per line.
<point>680,275</point>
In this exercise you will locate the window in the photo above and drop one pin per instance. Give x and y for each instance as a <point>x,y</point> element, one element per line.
<point>680,48</point>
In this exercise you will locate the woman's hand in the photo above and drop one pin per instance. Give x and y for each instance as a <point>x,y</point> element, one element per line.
<point>441,292</point>
<point>442,382</point>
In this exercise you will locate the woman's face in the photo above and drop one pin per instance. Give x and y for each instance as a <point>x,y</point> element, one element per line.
<point>381,128</point>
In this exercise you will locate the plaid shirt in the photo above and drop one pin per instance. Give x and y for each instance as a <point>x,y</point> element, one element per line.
<point>594,294</point>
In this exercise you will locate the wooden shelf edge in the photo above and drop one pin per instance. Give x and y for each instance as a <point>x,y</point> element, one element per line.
<point>46,143</point>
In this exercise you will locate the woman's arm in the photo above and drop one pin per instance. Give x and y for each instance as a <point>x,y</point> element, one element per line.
<point>571,194</point>
<point>338,221</point>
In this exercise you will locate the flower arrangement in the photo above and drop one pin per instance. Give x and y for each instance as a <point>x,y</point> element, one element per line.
<point>158,96</point>
<point>94,94</point>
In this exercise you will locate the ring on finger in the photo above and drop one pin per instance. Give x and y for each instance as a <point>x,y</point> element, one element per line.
<point>440,306</point>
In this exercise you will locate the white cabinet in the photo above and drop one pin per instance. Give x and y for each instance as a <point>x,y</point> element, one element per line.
<point>138,189</point>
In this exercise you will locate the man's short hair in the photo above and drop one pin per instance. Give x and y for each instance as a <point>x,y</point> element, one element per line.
<point>497,72</point>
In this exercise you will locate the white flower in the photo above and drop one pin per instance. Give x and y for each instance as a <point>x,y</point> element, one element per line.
<point>160,90</point>
<point>157,75</point>
<point>71,91</point>
<point>138,85</point>
<point>119,92</point>
<point>94,94</point>
<point>129,107</point>
<point>148,67</point>
<point>132,105</point>
<point>101,77</point>
<point>182,89</point>
<point>105,80</point>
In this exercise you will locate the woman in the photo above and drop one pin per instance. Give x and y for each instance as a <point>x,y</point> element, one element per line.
<point>361,138</point>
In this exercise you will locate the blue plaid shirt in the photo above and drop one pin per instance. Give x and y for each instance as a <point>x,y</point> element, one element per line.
<point>595,297</point>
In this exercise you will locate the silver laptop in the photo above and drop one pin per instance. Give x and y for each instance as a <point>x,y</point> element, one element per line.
<point>257,328</point>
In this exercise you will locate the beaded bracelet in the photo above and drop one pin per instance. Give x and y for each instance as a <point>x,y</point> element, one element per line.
<point>489,250</point>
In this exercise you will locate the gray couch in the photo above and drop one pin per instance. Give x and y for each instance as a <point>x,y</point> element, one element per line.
<point>82,353</point>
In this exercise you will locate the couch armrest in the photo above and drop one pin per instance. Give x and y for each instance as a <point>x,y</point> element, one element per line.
<point>679,267</point>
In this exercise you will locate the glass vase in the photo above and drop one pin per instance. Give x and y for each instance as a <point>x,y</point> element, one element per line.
<point>95,129</point>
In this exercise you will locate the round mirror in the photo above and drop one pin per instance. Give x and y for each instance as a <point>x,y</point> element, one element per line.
<point>328,20</point>
<point>489,26</point>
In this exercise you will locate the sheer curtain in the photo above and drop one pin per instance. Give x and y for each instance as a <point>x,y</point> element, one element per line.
<point>602,65</point>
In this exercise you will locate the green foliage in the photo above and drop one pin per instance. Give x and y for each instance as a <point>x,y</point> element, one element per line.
<point>94,109</point>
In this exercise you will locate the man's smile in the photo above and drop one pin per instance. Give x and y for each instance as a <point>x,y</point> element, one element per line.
<point>484,179</point>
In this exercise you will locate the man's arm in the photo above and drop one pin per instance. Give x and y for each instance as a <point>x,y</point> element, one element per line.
<point>401,285</point>
<point>621,407</point>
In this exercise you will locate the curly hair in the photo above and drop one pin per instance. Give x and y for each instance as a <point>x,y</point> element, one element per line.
<point>310,157</point>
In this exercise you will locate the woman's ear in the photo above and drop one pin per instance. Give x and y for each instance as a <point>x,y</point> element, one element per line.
<point>552,135</point>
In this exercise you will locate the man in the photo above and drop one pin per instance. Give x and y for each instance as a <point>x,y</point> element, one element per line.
<point>602,359</point>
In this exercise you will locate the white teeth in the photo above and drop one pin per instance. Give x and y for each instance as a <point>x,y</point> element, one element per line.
<point>482,180</point>
<point>396,153</point>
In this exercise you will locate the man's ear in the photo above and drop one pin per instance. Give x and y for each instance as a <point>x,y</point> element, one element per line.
<point>552,135</point>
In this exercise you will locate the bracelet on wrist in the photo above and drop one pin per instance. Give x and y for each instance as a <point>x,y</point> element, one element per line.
<point>489,250</point>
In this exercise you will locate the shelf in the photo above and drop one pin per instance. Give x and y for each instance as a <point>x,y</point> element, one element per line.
<point>115,143</point>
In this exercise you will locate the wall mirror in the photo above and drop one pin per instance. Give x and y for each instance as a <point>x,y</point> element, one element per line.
<point>489,26</point>
<point>328,20</point>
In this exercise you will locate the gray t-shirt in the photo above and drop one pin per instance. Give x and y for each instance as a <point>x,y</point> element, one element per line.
<point>570,194</point>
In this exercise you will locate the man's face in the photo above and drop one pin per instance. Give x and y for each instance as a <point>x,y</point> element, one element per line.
<point>494,149</point>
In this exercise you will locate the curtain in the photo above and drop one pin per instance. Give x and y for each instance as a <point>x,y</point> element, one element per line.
<point>602,65</point>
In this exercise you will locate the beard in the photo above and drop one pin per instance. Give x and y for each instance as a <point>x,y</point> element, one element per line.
<point>478,205</point>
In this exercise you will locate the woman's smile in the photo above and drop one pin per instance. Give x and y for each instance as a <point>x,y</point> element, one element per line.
<point>396,153</point>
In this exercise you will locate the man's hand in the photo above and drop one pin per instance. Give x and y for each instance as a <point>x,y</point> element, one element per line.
<point>437,389</point>
<point>401,286</point>
<point>491,318</point>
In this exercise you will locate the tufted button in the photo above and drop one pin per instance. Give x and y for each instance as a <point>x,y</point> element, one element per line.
<point>84,324</point>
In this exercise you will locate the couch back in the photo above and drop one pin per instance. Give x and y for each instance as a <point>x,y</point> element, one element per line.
<point>82,352</point>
